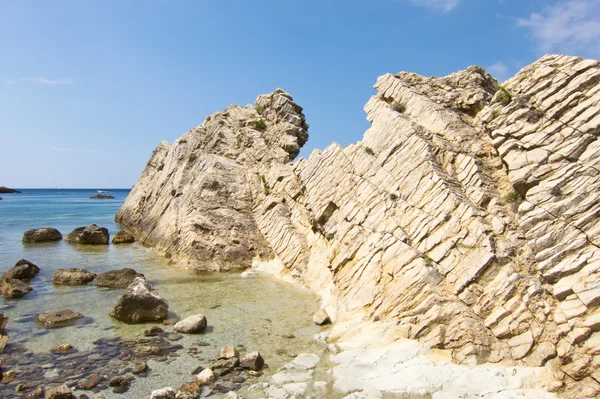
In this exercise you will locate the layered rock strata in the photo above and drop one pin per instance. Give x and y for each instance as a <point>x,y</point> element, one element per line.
<point>468,213</point>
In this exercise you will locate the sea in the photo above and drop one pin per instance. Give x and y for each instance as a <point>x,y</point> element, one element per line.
<point>258,313</point>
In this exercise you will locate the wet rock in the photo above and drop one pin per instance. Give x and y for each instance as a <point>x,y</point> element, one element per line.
<point>139,303</point>
<point>73,276</point>
<point>252,361</point>
<point>321,317</point>
<point>189,390</point>
<point>206,376</point>
<point>120,383</point>
<point>44,234</point>
<point>58,319</point>
<point>22,270</point>
<point>163,393</point>
<point>116,278</point>
<point>139,368</point>
<point>58,392</point>
<point>8,375</point>
<point>13,288</point>
<point>191,325</point>
<point>123,237</point>
<point>63,348</point>
<point>90,381</point>
<point>3,322</point>
<point>197,370</point>
<point>90,235</point>
<point>36,393</point>
<point>228,352</point>
<point>153,331</point>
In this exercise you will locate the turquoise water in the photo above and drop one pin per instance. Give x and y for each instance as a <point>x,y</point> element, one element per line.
<point>239,311</point>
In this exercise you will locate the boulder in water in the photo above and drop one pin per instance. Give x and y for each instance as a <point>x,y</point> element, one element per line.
<point>191,325</point>
<point>58,319</point>
<point>22,270</point>
<point>13,288</point>
<point>90,235</point>
<point>101,196</point>
<point>43,234</point>
<point>140,303</point>
<point>123,237</point>
<point>6,190</point>
<point>74,276</point>
<point>116,278</point>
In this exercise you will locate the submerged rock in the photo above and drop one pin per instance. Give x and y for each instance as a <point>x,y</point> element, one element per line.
<point>73,276</point>
<point>123,237</point>
<point>22,270</point>
<point>140,303</point>
<point>43,234</point>
<point>90,235</point>
<point>191,325</point>
<point>116,278</point>
<point>58,392</point>
<point>13,288</point>
<point>58,319</point>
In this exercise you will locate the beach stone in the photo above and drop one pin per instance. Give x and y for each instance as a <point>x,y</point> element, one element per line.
<point>254,373</point>
<point>44,234</point>
<point>90,235</point>
<point>321,317</point>
<point>58,319</point>
<point>121,382</point>
<point>36,393</point>
<point>224,366</point>
<point>228,352</point>
<point>3,342</point>
<point>63,348</point>
<point>153,331</point>
<point>58,392</point>
<point>13,288</point>
<point>90,381</point>
<point>74,276</point>
<point>116,278</point>
<point>163,393</point>
<point>139,368</point>
<point>191,325</point>
<point>140,303</point>
<point>206,376</point>
<point>123,237</point>
<point>22,270</point>
<point>253,361</point>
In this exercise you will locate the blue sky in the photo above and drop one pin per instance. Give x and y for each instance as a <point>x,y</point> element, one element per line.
<point>89,88</point>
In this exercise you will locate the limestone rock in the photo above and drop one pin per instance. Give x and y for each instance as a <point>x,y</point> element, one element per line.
<point>140,303</point>
<point>58,319</point>
<point>22,270</point>
<point>123,237</point>
<point>13,288</point>
<point>467,215</point>
<point>163,393</point>
<point>90,235</point>
<point>253,361</point>
<point>321,317</point>
<point>206,376</point>
<point>191,325</point>
<point>73,276</point>
<point>116,278</point>
<point>58,392</point>
<point>44,234</point>
<point>228,352</point>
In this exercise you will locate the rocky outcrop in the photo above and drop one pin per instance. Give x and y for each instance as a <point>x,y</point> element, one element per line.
<point>123,237</point>
<point>140,303</point>
<point>44,234</point>
<point>116,278</point>
<point>6,190</point>
<point>74,276</point>
<point>467,215</point>
<point>194,201</point>
<point>101,196</point>
<point>90,235</point>
<point>22,270</point>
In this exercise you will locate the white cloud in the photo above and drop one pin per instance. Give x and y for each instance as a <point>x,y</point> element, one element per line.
<point>437,5</point>
<point>567,27</point>
<point>42,80</point>
<point>499,70</point>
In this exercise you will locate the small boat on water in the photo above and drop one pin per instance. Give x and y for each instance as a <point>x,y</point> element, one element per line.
<point>103,191</point>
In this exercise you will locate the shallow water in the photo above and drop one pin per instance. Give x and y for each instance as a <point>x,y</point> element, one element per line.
<point>251,312</point>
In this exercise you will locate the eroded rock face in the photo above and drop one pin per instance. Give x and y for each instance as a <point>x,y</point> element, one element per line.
<point>44,234</point>
<point>194,200</point>
<point>90,235</point>
<point>140,303</point>
<point>467,215</point>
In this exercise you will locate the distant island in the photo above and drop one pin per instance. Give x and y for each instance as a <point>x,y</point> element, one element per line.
<point>6,190</point>
<point>102,196</point>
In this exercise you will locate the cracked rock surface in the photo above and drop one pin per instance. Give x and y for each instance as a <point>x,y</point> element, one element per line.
<point>467,215</point>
